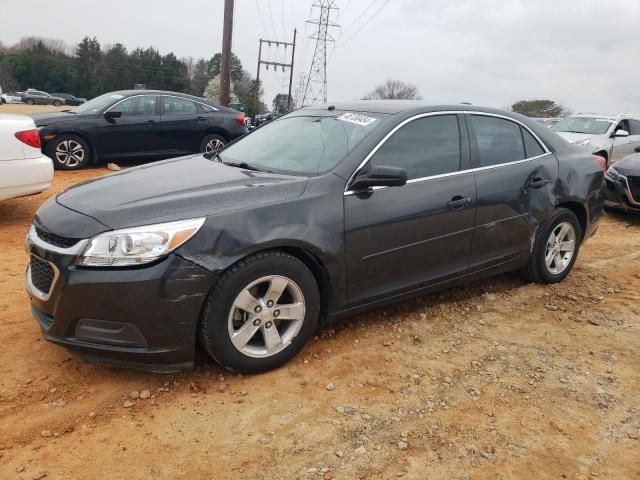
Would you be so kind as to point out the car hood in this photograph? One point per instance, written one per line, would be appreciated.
(44, 119)
(578, 137)
(180, 188)
(629, 166)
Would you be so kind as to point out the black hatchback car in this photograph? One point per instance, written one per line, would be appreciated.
(622, 185)
(321, 213)
(145, 124)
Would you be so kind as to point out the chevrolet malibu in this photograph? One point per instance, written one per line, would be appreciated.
(322, 213)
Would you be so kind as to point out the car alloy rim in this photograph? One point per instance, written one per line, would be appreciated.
(561, 246)
(69, 153)
(213, 145)
(266, 316)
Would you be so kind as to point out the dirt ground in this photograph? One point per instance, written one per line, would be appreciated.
(499, 379)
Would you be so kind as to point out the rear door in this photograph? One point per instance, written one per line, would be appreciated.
(183, 125)
(402, 238)
(136, 133)
(515, 176)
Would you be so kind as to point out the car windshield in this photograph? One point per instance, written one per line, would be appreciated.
(590, 125)
(302, 144)
(98, 104)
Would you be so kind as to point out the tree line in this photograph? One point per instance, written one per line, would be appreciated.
(90, 69)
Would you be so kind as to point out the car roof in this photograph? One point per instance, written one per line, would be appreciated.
(393, 107)
(607, 117)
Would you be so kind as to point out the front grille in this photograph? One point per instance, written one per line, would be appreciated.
(55, 240)
(634, 187)
(42, 274)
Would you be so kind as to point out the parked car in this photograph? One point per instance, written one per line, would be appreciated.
(23, 168)
(70, 99)
(136, 124)
(11, 97)
(611, 137)
(36, 97)
(324, 212)
(622, 184)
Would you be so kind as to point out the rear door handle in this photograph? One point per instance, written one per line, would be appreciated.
(151, 122)
(459, 202)
(537, 182)
(201, 119)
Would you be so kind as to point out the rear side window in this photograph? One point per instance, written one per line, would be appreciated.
(531, 146)
(179, 106)
(424, 147)
(499, 141)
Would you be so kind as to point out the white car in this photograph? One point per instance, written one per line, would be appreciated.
(24, 170)
(11, 97)
(612, 137)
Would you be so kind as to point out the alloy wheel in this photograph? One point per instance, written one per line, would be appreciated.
(561, 247)
(69, 153)
(213, 145)
(266, 316)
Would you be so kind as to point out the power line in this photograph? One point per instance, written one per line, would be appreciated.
(366, 23)
(346, 29)
(273, 24)
(264, 28)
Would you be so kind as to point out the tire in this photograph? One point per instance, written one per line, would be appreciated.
(538, 269)
(212, 142)
(222, 319)
(56, 103)
(29, 101)
(69, 152)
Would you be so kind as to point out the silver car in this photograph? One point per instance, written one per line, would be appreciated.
(612, 137)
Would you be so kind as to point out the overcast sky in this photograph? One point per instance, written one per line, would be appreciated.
(584, 54)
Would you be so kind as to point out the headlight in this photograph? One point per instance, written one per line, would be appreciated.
(582, 143)
(139, 245)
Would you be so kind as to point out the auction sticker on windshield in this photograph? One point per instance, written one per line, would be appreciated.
(357, 119)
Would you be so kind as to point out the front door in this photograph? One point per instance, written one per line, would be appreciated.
(135, 134)
(515, 176)
(403, 238)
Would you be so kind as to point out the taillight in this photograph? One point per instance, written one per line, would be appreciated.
(240, 119)
(601, 161)
(30, 137)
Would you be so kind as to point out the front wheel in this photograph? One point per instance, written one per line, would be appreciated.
(555, 247)
(212, 143)
(56, 103)
(260, 313)
(69, 152)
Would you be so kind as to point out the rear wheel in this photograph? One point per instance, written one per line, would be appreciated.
(212, 143)
(261, 313)
(69, 152)
(555, 248)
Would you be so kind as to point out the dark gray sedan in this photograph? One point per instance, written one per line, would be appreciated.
(324, 212)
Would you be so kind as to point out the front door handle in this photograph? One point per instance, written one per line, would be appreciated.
(151, 122)
(201, 119)
(537, 182)
(459, 202)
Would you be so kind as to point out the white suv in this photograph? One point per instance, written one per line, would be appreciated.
(612, 137)
(24, 170)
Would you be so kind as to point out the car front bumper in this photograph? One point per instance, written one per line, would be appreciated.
(618, 195)
(144, 317)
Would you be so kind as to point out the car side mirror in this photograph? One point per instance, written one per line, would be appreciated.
(379, 176)
(620, 133)
(112, 114)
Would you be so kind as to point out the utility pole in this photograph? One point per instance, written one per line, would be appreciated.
(225, 64)
(275, 65)
(316, 87)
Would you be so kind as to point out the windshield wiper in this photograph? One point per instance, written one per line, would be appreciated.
(246, 166)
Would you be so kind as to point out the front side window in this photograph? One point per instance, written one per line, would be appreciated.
(634, 127)
(302, 144)
(424, 147)
(137, 106)
(179, 106)
(499, 140)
